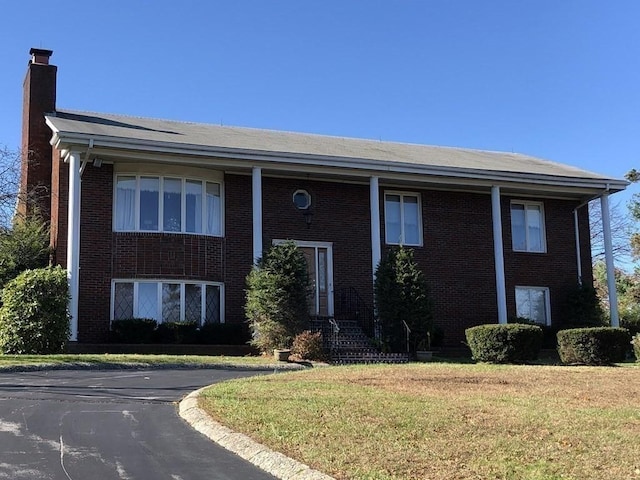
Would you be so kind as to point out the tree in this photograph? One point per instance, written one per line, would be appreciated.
(24, 246)
(276, 297)
(622, 231)
(401, 294)
(9, 185)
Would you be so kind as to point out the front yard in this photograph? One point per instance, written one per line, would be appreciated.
(444, 421)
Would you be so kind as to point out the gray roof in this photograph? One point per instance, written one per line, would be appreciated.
(203, 137)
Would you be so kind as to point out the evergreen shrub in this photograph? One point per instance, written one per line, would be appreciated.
(401, 293)
(224, 334)
(133, 330)
(24, 247)
(276, 298)
(34, 317)
(504, 343)
(176, 332)
(593, 346)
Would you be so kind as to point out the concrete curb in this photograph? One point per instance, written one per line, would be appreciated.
(147, 366)
(272, 462)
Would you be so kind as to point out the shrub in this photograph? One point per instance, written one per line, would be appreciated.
(499, 343)
(308, 346)
(593, 346)
(224, 334)
(133, 330)
(34, 317)
(176, 332)
(401, 294)
(24, 247)
(276, 298)
(582, 307)
(630, 322)
(636, 346)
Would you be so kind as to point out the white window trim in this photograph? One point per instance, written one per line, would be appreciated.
(137, 281)
(183, 219)
(403, 194)
(547, 300)
(543, 230)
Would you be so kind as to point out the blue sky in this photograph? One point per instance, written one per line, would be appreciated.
(554, 79)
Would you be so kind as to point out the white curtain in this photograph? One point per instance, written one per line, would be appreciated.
(213, 209)
(125, 204)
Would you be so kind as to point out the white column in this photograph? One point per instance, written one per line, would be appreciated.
(577, 237)
(374, 202)
(256, 195)
(498, 252)
(608, 254)
(73, 241)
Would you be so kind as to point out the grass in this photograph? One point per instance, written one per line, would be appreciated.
(444, 421)
(130, 359)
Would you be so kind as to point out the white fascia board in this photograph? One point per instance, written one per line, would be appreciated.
(317, 163)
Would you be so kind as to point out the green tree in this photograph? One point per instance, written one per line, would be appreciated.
(401, 293)
(276, 297)
(22, 247)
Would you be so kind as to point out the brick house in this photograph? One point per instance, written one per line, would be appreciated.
(164, 219)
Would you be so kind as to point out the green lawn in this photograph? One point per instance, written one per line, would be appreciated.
(444, 421)
(130, 359)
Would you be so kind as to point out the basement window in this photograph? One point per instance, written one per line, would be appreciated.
(533, 303)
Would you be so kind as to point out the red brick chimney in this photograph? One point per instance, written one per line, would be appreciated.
(39, 98)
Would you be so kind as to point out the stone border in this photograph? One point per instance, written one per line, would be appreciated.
(270, 461)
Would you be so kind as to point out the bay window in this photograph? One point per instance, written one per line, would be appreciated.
(167, 204)
(167, 301)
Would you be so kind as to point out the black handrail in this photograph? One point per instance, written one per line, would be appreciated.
(348, 304)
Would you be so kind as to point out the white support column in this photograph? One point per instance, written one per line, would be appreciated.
(576, 226)
(498, 251)
(256, 195)
(374, 202)
(608, 253)
(73, 241)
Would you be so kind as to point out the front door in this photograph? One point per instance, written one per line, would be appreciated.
(318, 269)
(319, 257)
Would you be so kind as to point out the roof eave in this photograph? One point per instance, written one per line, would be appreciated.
(73, 140)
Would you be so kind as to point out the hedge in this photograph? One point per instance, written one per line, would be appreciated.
(504, 343)
(593, 346)
(34, 317)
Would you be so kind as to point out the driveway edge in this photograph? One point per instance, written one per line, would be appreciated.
(270, 461)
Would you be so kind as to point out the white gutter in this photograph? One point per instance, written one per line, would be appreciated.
(63, 139)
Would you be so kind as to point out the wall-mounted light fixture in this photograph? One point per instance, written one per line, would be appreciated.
(97, 162)
(308, 217)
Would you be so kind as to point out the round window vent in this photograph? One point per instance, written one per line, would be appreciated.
(301, 199)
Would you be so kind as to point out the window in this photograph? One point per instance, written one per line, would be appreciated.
(168, 301)
(301, 199)
(167, 204)
(527, 227)
(402, 215)
(533, 303)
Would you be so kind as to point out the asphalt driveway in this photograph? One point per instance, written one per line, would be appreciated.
(109, 424)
